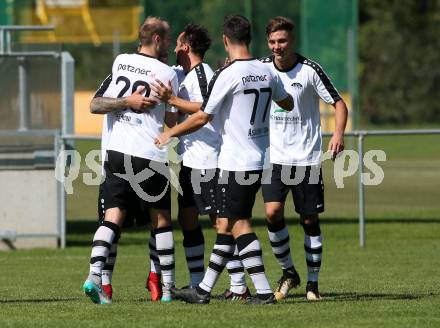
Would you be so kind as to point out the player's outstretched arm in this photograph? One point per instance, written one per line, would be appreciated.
(191, 124)
(336, 144)
(185, 106)
(104, 105)
(165, 94)
(286, 104)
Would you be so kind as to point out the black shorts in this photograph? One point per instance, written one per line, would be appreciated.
(204, 198)
(153, 192)
(236, 191)
(135, 216)
(307, 189)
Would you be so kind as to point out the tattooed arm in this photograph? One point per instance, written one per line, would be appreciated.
(104, 105)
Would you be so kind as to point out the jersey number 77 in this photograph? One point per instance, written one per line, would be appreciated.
(257, 97)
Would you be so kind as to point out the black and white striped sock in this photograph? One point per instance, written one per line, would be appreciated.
(194, 244)
(109, 266)
(154, 259)
(102, 242)
(251, 256)
(236, 273)
(221, 254)
(313, 251)
(280, 242)
(165, 252)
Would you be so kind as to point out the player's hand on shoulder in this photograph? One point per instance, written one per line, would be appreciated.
(140, 103)
(163, 92)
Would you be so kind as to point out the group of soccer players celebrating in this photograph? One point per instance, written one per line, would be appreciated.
(252, 123)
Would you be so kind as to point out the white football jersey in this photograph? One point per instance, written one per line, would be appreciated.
(295, 136)
(180, 73)
(128, 131)
(199, 149)
(240, 94)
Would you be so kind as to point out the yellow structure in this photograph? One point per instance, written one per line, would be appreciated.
(46, 10)
(76, 21)
(328, 115)
(86, 123)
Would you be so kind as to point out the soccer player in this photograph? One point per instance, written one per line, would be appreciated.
(199, 151)
(295, 148)
(133, 119)
(238, 97)
(134, 215)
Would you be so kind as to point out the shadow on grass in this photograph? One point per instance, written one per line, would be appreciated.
(382, 221)
(326, 297)
(40, 300)
(353, 296)
(79, 232)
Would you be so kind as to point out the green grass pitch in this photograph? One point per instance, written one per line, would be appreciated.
(393, 282)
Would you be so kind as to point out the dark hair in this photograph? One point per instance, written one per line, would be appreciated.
(237, 28)
(279, 23)
(152, 25)
(197, 37)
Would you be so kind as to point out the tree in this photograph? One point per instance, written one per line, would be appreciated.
(399, 55)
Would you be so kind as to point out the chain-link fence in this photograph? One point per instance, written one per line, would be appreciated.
(400, 173)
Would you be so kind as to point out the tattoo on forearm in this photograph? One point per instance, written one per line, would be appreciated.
(103, 105)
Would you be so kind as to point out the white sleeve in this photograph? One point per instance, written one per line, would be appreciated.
(323, 86)
(218, 89)
(278, 91)
(180, 73)
(103, 90)
(183, 94)
(175, 86)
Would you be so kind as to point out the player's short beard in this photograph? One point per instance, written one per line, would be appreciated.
(180, 59)
(284, 55)
(280, 54)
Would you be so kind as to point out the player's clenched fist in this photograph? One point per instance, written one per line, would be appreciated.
(162, 139)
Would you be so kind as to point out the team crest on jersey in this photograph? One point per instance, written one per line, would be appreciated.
(267, 59)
